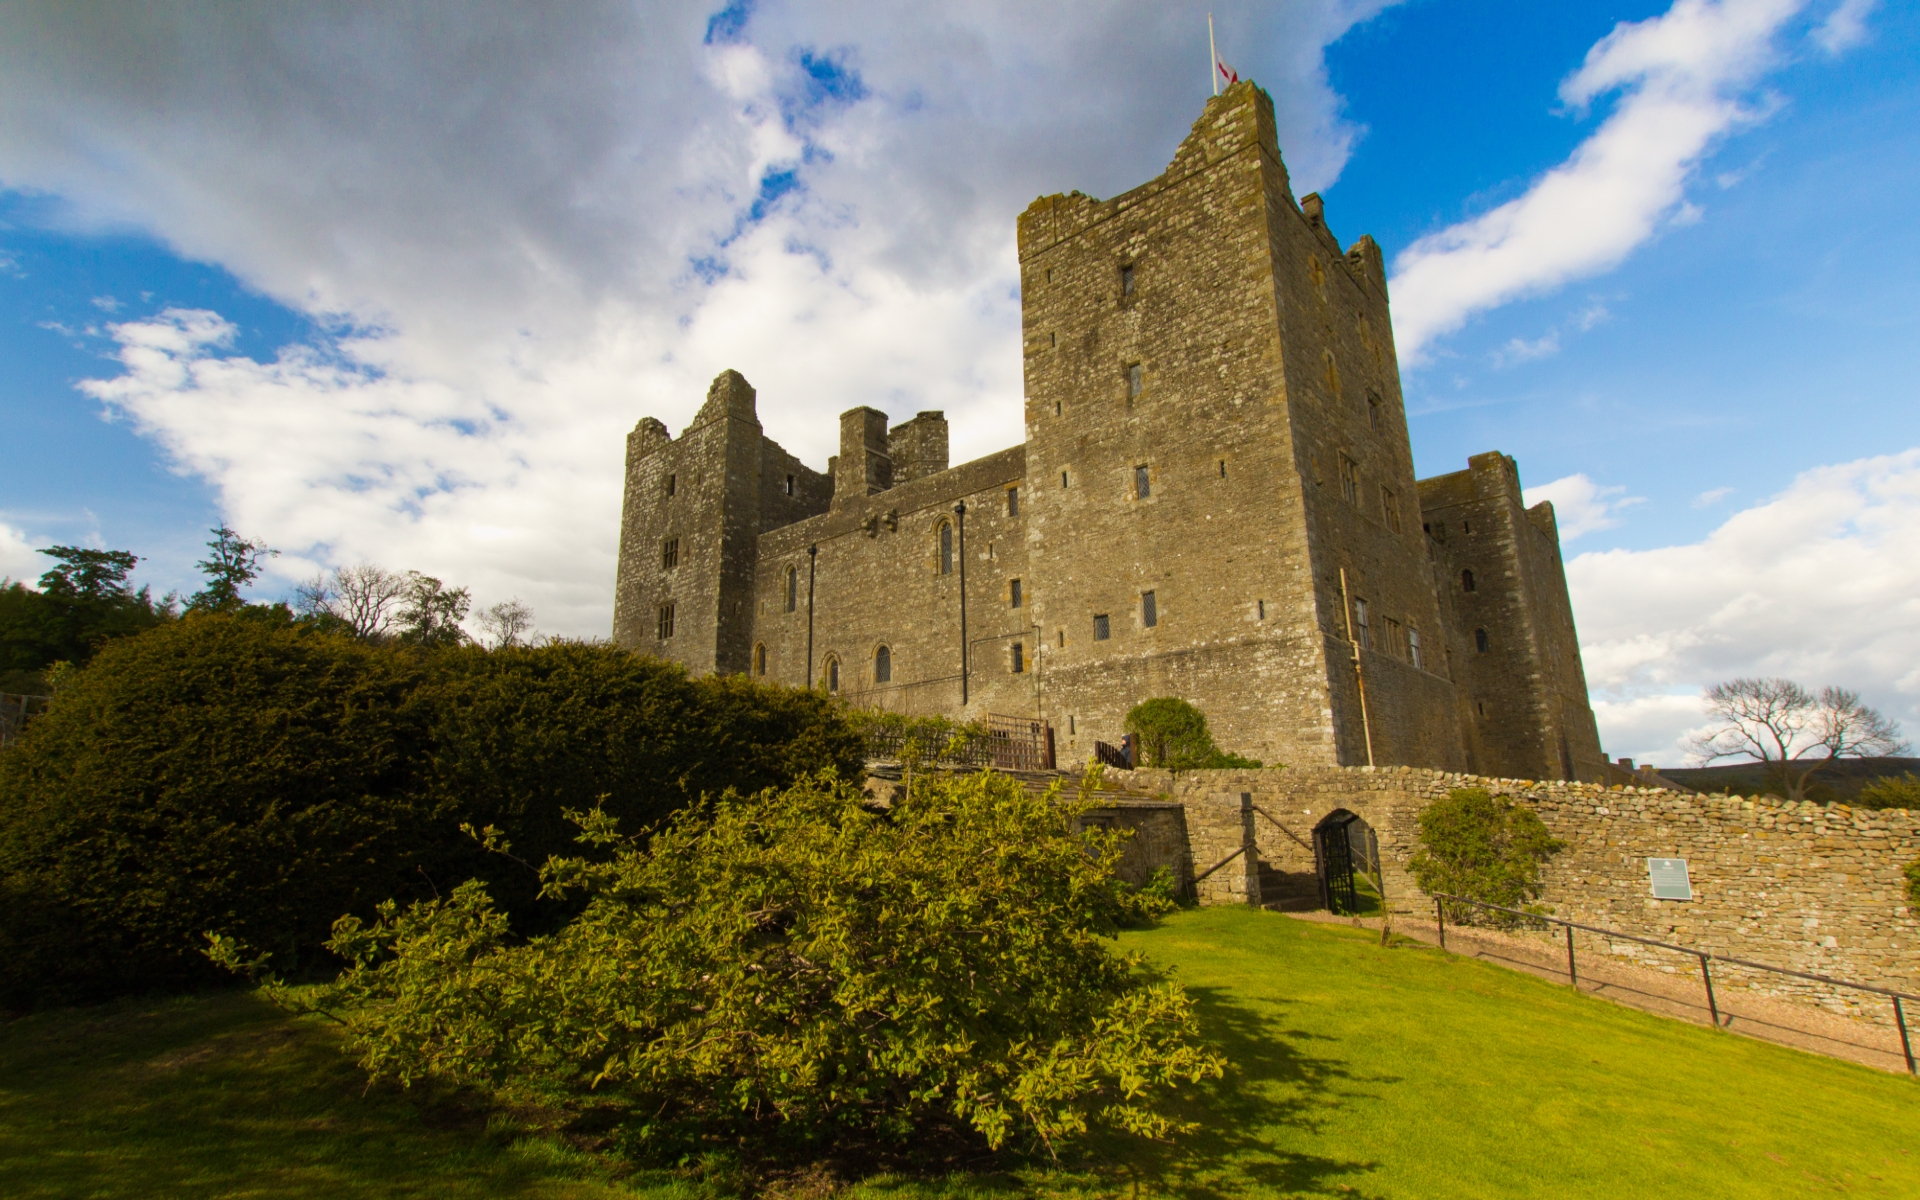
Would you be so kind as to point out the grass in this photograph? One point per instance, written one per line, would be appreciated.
(1356, 1070)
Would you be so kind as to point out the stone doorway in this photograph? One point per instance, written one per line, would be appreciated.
(1346, 855)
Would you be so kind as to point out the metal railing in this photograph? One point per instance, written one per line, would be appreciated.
(1441, 899)
(1006, 744)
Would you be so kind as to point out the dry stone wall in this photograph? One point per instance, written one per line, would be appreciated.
(1804, 886)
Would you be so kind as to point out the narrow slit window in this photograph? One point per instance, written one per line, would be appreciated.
(1071, 725)
(1393, 637)
(789, 485)
(1350, 480)
(760, 660)
(1413, 646)
(1063, 479)
(1373, 412)
(1466, 580)
(946, 548)
(671, 481)
(665, 624)
(1136, 380)
(1056, 408)
(1019, 658)
(669, 554)
(833, 674)
(883, 665)
(1142, 482)
(1126, 280)
(1260, 610)
(1480, 642)
(1013, 502)
(1053, 339)
(1390, 508)
(1149, 611)
(793, 589)
(1362, 629)
(1223, 468)
(1063, 639)
(1014, 597)
(1102, 628)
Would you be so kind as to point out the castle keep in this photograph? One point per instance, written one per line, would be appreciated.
(1215, 501)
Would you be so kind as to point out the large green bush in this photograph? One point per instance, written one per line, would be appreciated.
(1173, 733)
(217, 772)
(1890, 791)
(1481, 847)
(242, 774)
(793, 969)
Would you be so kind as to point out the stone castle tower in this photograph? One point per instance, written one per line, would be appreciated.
(1215, 500)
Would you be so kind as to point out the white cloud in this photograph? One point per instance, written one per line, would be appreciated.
(1681, 78)
(529, 250)
(17, 559)
(1845, 26)
(1820, 583)
(1519, 350)
(1581, 506)
(1711, 497)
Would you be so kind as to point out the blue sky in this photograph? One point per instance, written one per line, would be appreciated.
(391, 287)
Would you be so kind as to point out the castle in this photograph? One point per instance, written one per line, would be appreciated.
(1215, 501)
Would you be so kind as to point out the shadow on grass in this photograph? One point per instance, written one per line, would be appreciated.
(1278, 1080)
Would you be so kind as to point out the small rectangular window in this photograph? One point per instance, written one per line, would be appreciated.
(1013, 593)
(1350, 480)
(1149, 612)
(1393, 637)
(1063, 479)
(1390, 508)
(671, 479)
(1071, 725)
(666, 621)
(789, 485)
(1013, 502)
(1142, 482)
(1063, 639)
(1361, 628)
(1223, 468)
(1260, 609)
(1413, 646)
(1136, 380)
(1019, 658)
(669, 554)
(1126, 280)
(1373, 412)
(1101, 629)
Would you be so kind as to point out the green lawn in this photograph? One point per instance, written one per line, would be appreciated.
(1356, 1071)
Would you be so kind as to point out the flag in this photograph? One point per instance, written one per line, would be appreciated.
(1227, 73)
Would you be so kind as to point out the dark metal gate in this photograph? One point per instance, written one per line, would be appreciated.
(1344, 847)
(1019, 743)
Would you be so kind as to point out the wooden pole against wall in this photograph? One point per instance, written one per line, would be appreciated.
(960, 518)
(813, 558)
(1359, 678)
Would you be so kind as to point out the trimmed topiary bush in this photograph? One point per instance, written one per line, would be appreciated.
(1173, 733)
(1482, 847)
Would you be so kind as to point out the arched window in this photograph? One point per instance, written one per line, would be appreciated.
(1480, 640)
(883, 665)
(760, 660)
(793, 588)
(946, 548)
(1466, 580)
(833, 673)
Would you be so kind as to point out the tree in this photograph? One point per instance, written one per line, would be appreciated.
(790, 970)
(1482, 847)
(1793, 732)
(364, 599)
(506, 624)
(234, 562)
(87, 574)
(430, 612)
(82, 603)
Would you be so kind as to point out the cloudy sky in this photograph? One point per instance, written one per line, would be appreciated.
(390, 282)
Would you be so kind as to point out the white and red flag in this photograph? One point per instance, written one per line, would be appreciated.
(1220, 68)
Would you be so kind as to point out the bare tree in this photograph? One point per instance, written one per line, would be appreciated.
(506, 624)
(1794, 732)
(432, 612)
(365, 598)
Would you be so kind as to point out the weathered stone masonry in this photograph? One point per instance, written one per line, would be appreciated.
(1215, 500)
(1805, 886)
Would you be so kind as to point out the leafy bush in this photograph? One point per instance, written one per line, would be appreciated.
(1913, 885)
(1173, 733)
(792, 969)
(240, 773)
(926, 737)
(1484, 848)
(216, 772)
(1890, 791)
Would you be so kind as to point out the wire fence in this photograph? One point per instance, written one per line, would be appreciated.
(1705, 957)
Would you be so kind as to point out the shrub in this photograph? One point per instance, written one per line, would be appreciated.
(217, 772)
(1913, 885)
(1890, 791)
(1173, 733)
(926, 737)
(1481, 847)
(240, 773)
(792, 969)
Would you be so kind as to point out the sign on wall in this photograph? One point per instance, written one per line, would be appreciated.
(1669, 879)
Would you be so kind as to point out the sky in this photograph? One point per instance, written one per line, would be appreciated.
(390, 282)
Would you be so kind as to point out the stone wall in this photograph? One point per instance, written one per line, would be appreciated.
(1801, 886)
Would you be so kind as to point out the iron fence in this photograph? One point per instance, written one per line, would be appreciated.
(1706, 957)
(1007, 744)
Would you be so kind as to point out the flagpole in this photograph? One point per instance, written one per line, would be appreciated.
(1213, 57)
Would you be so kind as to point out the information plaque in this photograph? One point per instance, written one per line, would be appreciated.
(1669, 879)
